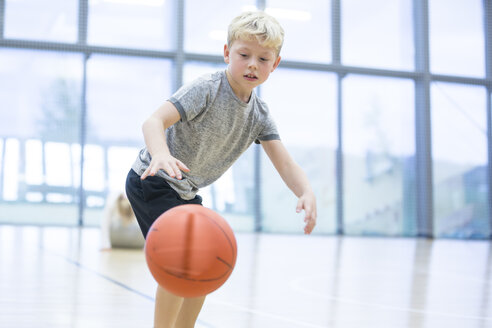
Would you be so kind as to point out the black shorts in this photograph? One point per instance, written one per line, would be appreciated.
(152, 197)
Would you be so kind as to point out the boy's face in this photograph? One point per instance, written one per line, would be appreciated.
(250, 63)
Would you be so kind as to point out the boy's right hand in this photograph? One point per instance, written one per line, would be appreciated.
(172, 166)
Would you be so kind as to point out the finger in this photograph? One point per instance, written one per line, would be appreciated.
(177, 171)
(169, 170)
(300, 205)
(309, 214)
(174, 171)
(309, 227)
(145, 174)
(310, 223)
(182, 166)
(153, 169)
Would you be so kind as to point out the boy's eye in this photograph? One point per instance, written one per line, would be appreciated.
(264, 59)
(243, 55)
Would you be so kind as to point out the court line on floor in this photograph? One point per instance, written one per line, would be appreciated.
(296, 285)
(113, 281)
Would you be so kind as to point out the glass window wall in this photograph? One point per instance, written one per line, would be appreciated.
(459, 157)
(70, 107)
(378, 156)
(40, 96)
(205, 35)
(307, 26)
(378, 34)
(457, 44)
(146, 24)
(48, 20)
(303, 105)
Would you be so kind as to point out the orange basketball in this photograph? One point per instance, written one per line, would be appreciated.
(190, 250)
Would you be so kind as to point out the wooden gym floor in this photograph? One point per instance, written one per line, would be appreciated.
(58, 277)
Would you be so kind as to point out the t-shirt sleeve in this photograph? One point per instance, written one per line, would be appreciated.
(191, 99)
(269, 130)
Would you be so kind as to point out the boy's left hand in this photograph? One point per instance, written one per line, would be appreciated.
(307, 202)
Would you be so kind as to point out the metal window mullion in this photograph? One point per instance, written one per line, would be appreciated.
(80, 48)
(257, 194)
(261, 4)
(82, 41)
(487, 7)
(2, 18)
(489, 136)
(339, 161)
(336, 54)
(179, 57)
(83, 136)
(424, 183)
(336, 32)
(82, 23)
(320, 67)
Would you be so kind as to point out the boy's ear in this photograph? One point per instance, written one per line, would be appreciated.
(226, 54)
(277, 61)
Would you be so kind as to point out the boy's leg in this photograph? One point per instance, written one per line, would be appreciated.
(149, 199)
(191, 306)
(189, 312)
(167, 307)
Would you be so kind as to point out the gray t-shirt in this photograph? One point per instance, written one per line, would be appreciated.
(215, 128)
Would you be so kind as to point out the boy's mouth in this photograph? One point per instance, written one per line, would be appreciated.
(250, 77)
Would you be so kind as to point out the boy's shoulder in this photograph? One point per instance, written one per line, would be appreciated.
(203, 85)
(261, 105)
(213, 77)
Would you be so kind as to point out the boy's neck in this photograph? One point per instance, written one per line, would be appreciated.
(243, 95)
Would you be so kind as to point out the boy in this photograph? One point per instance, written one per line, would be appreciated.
(195, 136)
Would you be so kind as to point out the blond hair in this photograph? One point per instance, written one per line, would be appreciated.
(259, 26)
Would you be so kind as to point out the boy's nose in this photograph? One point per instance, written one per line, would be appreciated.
(252, 63)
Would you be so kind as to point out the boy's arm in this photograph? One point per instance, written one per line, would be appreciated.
(155, 139)
(295, 178)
